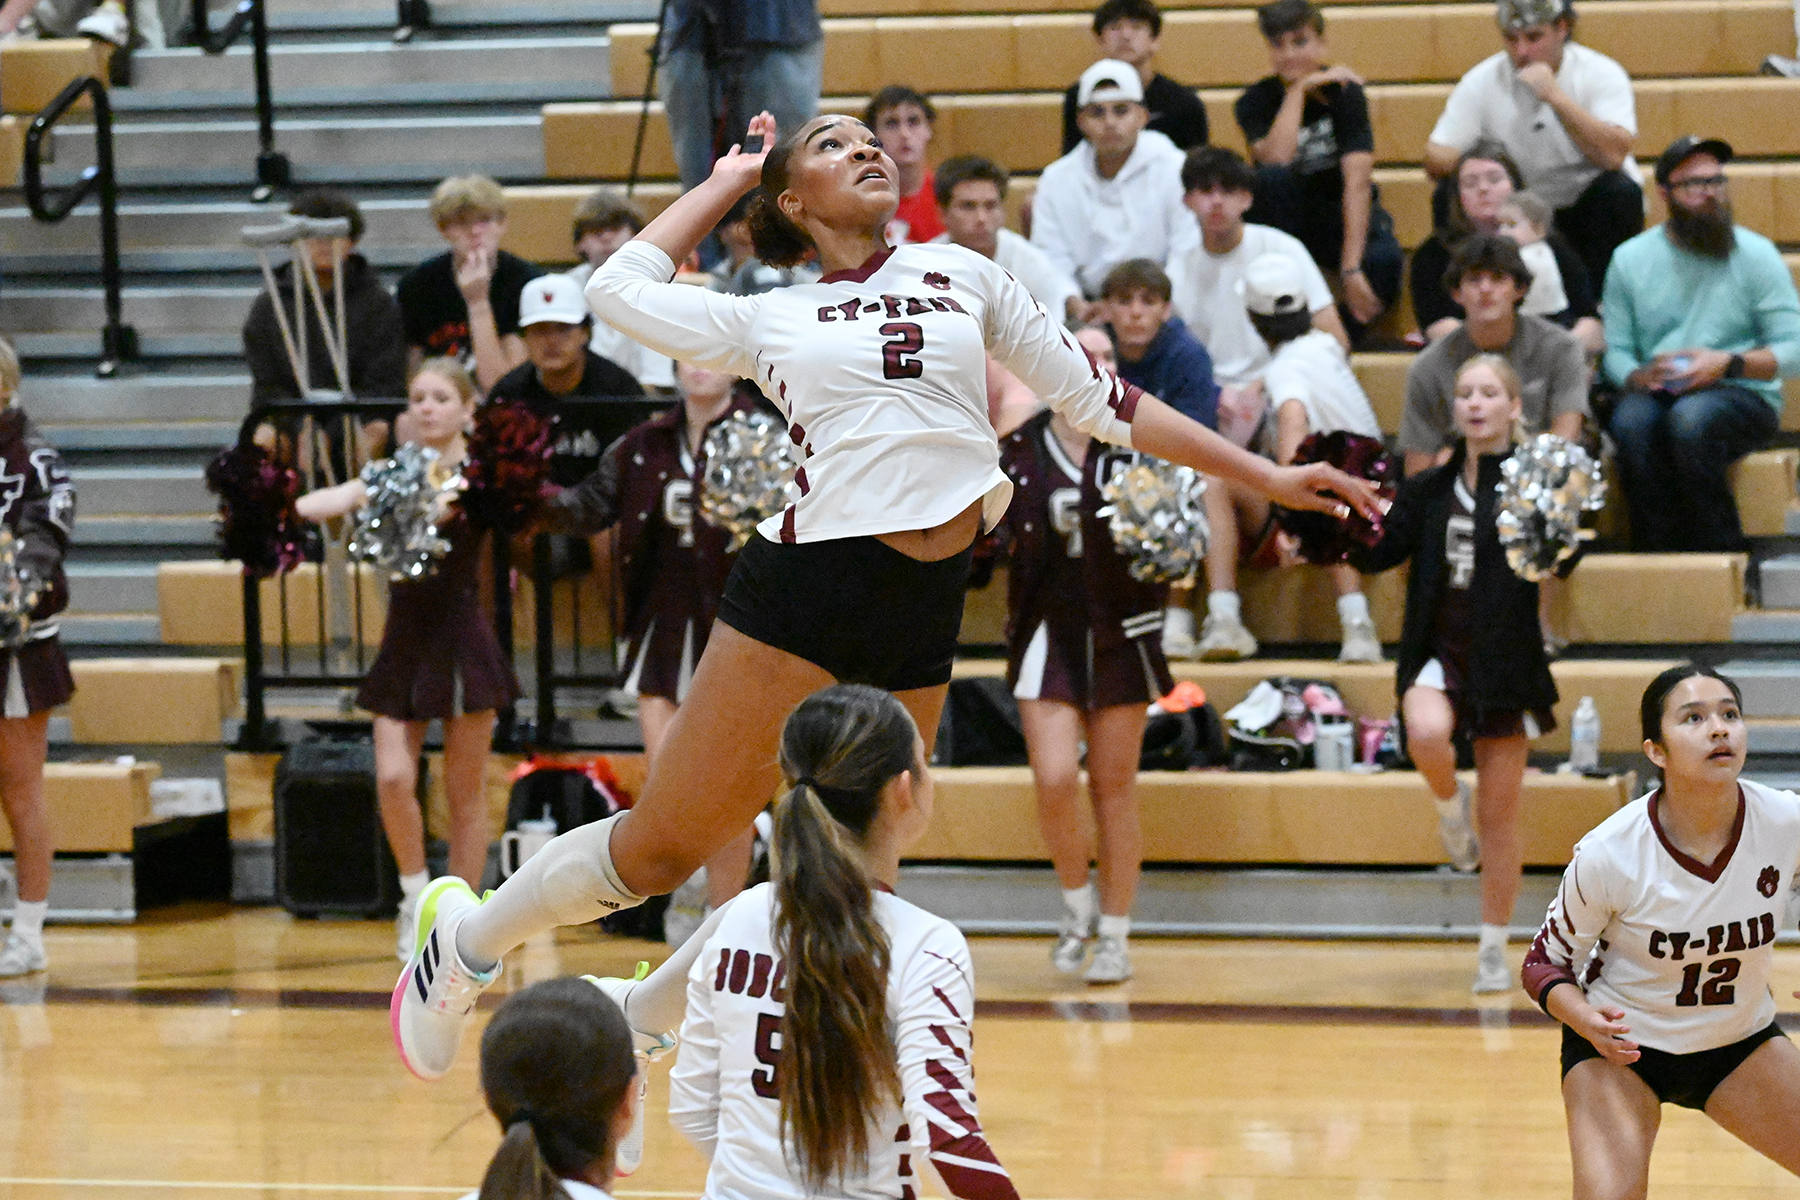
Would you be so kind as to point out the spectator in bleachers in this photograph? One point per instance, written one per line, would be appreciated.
(375, 355)
(1702, 325)
(464, 303)
(1129, 31)
(1118, 194)
(1218, 189)
(1486, 181)
(105, 21)
(1489, 280)
(903, 119)
(1565, 113)
(971, 196)
(1309, 133)
(1154, 348)
(1526, 219)
(604, 221)
(1311, 389)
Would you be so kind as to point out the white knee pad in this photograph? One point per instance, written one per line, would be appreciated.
(573, 875)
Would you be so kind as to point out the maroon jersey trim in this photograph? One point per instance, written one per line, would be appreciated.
(1694, 866)
(861, 274)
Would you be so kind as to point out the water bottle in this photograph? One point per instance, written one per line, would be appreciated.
(1584, 737)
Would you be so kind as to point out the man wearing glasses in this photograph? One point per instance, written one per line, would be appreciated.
(1702, 324)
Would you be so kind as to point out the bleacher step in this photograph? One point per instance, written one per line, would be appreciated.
(388, 223)
(143, 491)
(1767, 625)
(1781, 581)
(378, 15)
(110, 629)
(142, 435)
(1773, 735)
(145, 531)
(152, 310)
(1771, 688)
(111, 588)
(60, 399)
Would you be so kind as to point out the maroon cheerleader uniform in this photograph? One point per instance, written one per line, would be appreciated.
(672, 562)
(1080, 629)
(37, 503)
(439, 656)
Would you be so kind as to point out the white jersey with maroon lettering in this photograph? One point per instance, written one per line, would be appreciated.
(722, 1090)
(881, 373)
(1683, 947)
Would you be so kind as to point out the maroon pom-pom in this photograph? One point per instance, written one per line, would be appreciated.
(257, 522)
(508, 468)
(1323, 538)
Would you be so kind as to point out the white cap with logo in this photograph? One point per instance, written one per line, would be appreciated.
(1108, 80)
(1274, 286)
(552, 298)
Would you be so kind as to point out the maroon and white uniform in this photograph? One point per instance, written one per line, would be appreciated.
(672, 561)
(1080, 629)
(722, 1090)
(1683, 947)
(37, 504)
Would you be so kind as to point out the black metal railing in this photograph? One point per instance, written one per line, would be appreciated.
(118, 341)
(272, 167)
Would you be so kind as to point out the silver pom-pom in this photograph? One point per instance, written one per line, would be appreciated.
(1156, 511)
(1544, 488)
(409, 498)
(750, 465)
(18, 595)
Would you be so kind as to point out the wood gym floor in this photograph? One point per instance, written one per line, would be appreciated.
(212, 1053)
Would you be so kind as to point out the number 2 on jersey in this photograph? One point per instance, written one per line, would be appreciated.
(768, 1029)
(908, 339)
(1718, 989)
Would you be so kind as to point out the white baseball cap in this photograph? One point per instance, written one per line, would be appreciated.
(552, 298)
(1109, 79)
(1274, 286)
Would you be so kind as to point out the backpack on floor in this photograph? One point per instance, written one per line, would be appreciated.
(1272, 728)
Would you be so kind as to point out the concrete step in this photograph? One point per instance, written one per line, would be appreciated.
(143, 491)
(112, 588)
(1781, 582)
(1771, 688)
(389, 224)
(416, 149)
(460, 71)
(1774, 735)
(85, 346)
(142, 435)
(1785, 781)
(111, 629)
(70, 400)
(151, 310)
(1766, 625)
(148, 532)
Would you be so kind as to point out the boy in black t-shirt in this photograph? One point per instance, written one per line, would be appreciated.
(1130, 30)
(464, 303)
(1310, 136)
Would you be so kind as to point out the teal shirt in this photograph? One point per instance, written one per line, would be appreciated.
(1660, 297)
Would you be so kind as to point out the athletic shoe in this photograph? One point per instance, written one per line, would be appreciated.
(1112, 962)
(108, 23)
(1178, 633)
(1072, 937)
(1458, 831)
(20, 956)
(648, 1048)
(1781, 64)
(437, 990)
(1491, 972)
(1224, 639)
(1361, 643)
(406, 929)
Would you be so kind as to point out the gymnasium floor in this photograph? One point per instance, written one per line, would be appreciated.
(207, 1052)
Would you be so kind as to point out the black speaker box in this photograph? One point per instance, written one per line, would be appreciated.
(331, 855)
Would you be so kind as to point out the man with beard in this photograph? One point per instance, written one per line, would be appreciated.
(1702, 324)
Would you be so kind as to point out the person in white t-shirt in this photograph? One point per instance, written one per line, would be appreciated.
(604, 221)
(1656, 954)
(879, 371)
(1116, 196)
(971, 195)
(1567, 116)
(1310, 389)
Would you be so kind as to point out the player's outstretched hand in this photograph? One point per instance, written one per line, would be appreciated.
(741, 166)
(1606, 1029)
(1320, 487)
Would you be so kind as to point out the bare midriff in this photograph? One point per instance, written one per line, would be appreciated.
(940, 541)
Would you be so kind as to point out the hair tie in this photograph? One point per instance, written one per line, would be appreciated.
(809, 782)
(523, 1116)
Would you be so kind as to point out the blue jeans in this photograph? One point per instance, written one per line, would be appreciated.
(1672, 457)
(783, 79)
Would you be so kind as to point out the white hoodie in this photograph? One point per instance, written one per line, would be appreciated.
(1089, 225)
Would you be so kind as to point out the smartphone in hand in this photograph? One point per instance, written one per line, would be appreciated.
(753, 144)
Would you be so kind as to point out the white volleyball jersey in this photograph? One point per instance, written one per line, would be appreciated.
(1683, 947)
(881, 373)
(722, 1090)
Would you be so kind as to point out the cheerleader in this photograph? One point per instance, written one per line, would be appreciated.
(879, 369)
(1656, 953)
(672, 562)
(37, 509)
(1472, 660)
(1084, 659)
(557, 1071)
(439, 660)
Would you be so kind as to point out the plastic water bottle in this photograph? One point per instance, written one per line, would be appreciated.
(1584, 737)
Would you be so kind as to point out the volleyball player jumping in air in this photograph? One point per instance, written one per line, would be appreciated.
(880, 370)
(1656, 953)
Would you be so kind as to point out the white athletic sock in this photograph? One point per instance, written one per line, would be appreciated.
(1224, 605)
(1451, 805)
(570, 881)
(1493, 936)
(1354, 607)
(1115, 927)
(28, 919)
(1081, 903)
(412, 885)
(1178, 621)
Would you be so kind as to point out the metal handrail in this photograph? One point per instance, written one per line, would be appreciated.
(118, 340)
(272, 167)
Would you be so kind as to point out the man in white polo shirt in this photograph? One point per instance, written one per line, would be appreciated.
(1567, 116)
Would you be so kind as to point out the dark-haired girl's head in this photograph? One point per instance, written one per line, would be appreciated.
(829, 173)
(1693, 724)
(557, 1069)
